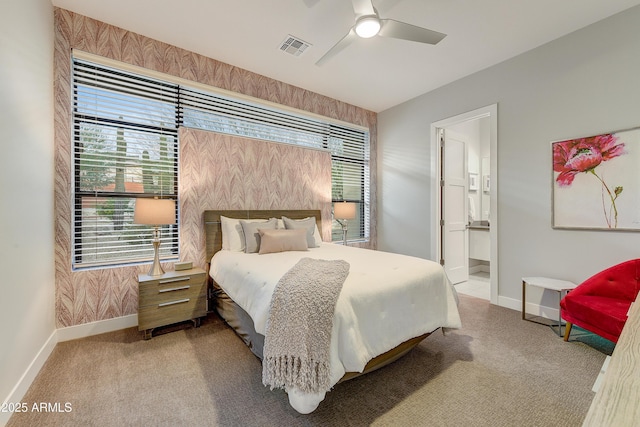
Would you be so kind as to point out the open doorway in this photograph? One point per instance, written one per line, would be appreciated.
(481, 191)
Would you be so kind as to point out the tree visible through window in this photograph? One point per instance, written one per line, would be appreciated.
(125, 147)
(125, 139)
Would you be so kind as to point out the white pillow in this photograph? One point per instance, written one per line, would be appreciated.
(313, 234)
(232, 235)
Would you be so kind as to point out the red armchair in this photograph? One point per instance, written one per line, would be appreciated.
(600, 304)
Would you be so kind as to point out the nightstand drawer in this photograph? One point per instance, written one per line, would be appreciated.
(171, 289)
(169, 312)
(173, 297)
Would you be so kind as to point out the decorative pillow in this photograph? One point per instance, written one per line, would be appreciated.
(251, 235)
(282, 240)
(232, 234)
(313, 234)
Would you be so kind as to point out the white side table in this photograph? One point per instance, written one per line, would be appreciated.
(560, 286)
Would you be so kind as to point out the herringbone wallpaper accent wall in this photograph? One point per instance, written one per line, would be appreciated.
(100, 294)
(226, 172)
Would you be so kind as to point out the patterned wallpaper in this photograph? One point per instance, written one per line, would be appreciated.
(226, 172)
(99, 294)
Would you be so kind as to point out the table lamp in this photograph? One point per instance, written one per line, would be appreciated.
(155, 212)
(342, 212)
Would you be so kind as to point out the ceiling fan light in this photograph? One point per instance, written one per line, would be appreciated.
(367, 26)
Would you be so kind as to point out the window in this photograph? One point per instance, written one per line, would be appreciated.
(350, 179)
(349, 147)
(125, 131)
(126, 146)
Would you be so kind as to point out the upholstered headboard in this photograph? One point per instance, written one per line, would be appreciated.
(213, 228)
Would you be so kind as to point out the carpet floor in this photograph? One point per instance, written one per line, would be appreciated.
(497, 370)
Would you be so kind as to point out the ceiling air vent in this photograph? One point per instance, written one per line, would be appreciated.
(294, 45)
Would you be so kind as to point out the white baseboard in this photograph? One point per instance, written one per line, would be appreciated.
(531, 309)
(29, 375)
(60, 335)
(95, 328)
(511, 303)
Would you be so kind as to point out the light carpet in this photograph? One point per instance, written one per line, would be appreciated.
(498, 370)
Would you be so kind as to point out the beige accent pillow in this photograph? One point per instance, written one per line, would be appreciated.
(282, 240)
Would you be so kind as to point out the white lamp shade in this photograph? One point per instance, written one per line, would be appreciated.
(154, 211)
(344, 210)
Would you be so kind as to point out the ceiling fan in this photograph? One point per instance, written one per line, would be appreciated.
(369, 24)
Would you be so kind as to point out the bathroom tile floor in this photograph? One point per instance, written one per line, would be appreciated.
(477, 286)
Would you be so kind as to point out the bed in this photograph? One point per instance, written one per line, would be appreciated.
(388, 303)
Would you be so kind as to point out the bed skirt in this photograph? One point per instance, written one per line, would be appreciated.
(242, 324)
(239, 320)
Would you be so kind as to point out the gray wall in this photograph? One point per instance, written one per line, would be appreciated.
(26, 191)
(585, 83)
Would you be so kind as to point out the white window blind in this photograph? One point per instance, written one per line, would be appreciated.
(350, 179)
(125, 146)
(349, 147)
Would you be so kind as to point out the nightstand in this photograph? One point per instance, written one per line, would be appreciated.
(173, 297)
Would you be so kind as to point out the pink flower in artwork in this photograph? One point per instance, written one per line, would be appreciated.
(584, 155)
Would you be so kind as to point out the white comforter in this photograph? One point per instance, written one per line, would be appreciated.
(386, 300)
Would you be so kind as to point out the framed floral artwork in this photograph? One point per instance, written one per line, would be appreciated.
(596, 182)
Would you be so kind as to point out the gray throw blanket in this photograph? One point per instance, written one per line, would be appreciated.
(298, 330)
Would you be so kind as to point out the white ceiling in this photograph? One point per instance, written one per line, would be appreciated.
(375, 74)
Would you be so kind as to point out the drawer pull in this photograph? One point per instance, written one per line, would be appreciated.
(175, 279)
(179, 288)
(180, 301)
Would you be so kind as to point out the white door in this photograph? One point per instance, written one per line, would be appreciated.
(454, 203)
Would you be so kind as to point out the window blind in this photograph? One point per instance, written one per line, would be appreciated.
(124, 147)
(349, 147)
(350, 178)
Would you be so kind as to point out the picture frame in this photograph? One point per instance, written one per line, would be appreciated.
(596, 182)
(473, 181)
(486, 183)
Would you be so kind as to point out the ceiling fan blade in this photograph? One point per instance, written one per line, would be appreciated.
(401, 30)
(363, 7)
(338, 47)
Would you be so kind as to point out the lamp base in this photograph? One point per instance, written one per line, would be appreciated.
(344, 231)
(156, 268)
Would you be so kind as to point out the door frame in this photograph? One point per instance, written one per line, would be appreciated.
(490, 111)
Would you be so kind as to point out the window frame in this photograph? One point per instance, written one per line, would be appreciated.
(285, 122)
(288, 121)
(81, 121)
